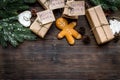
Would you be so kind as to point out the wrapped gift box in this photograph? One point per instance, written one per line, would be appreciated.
(43, 22)
(99, 25)
(73, 9)
(38, 29)
(52, 4)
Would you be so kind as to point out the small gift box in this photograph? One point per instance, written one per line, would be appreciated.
(74, 8)
(52, 4)
(42, 23)
(38, 29)
(99, 25)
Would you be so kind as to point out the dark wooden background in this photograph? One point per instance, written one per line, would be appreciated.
(53, 59)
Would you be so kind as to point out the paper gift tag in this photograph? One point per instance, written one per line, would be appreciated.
(55, 4)
(46, 16)
(74, 8)
(52, 4)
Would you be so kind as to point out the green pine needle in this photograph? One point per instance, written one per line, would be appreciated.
(13, 32)
(9, 8)
(113, 5)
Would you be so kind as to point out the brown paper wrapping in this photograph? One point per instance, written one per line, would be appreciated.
(99, 25)
(44, 3)
(38, 29)
(64, 12)
(78, 9)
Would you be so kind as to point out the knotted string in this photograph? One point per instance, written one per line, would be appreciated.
(70, 8)
(99, 26)
(42, 25)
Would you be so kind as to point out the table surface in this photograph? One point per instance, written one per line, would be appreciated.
(54, 59)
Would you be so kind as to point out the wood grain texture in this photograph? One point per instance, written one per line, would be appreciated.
(53, 59)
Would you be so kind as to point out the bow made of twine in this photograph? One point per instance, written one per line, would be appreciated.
(42, 25)
(70, 8)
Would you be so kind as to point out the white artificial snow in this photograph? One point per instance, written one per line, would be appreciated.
(115, 26)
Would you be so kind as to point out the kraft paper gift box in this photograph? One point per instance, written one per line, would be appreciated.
(52, 4)
(73, 9)
(99, 25)
(42, 23)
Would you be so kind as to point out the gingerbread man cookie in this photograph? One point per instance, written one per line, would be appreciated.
(68, 30)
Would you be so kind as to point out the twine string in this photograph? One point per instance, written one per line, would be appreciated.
(99, 26)
(70, 8)
(42, 25)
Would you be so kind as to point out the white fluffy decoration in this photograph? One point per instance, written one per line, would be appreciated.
(115, 26)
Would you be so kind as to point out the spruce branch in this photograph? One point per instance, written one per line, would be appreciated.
(113, 5)
(9, 8)
(13, 32)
